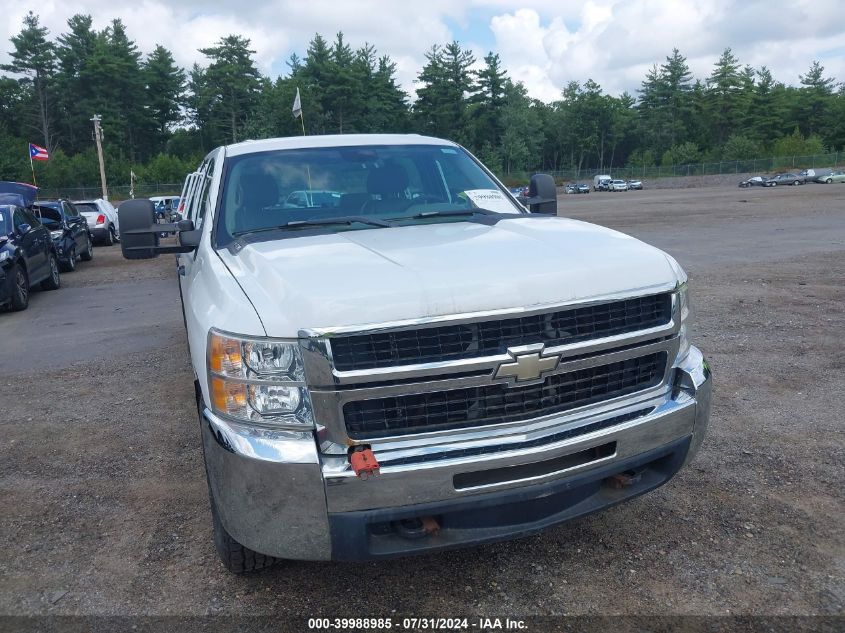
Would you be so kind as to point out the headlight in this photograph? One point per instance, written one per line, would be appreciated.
(56, 234)
(4, 255)
(259, 381)
(682, 295)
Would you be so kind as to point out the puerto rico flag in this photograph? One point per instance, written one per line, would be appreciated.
(37, 153)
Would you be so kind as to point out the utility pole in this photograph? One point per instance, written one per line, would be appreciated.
(98, 138)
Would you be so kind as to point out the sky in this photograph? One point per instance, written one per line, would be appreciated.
(542, 43)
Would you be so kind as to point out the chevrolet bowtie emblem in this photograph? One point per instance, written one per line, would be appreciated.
(526, 367)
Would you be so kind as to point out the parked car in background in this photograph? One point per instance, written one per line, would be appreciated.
(833, 176)
(576, 187)
(635, 184)
(27, 257)
(754, 181)
(68, 230)
(815, 173)
(166, 207)
(601, 183)
(103, 222)
(618, 185)
(784, 179)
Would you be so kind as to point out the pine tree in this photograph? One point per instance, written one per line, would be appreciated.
(816, 98)
(724, 98)
(165, 86)
(34, 57)
(230, 87)
(75, 101)
(486, 106)
(442, 99)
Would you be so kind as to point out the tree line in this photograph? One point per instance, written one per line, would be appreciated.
(159, 119)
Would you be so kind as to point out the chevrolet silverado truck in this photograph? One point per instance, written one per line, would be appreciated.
(417, 362)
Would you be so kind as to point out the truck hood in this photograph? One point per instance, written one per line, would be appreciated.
(371, 276)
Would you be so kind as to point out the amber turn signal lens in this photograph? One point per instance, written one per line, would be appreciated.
(225, 355)
(228, 397)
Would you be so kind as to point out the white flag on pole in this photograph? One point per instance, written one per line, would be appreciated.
(297, 106)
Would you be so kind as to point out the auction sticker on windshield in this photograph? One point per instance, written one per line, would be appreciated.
(490, 199)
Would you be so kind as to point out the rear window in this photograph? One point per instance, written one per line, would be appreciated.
(48, 215)
(87, 207)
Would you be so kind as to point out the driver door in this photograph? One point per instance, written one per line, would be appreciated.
(196, 205)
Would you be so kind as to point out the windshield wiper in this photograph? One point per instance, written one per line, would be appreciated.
(296, 224)
(447, 214)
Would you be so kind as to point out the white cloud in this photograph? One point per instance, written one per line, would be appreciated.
(543, 43)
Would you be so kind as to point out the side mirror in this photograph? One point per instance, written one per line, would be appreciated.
(24, 228)
(139, 232)
(542, 195)
(138, 240)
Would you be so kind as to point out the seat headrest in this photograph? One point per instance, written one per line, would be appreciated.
(259, 191)
(389, 180)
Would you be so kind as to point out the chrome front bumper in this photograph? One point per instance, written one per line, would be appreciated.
(276, 494)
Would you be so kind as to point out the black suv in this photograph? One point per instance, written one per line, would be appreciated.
(27, 257)
(69, 230)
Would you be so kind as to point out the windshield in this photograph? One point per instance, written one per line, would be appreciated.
(393, 182)
(50, 217)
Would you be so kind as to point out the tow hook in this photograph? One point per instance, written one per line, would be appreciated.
(416, 528)
(363, 462)
(624, 479)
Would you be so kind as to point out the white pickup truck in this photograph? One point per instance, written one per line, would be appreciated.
(414, 361)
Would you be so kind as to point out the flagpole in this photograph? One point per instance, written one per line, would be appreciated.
(302, 121)
(32, 167)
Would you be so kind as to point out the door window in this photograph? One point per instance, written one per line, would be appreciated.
(19, 218)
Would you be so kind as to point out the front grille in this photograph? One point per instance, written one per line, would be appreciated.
(488, 449)
(487, 338)
(494, 404)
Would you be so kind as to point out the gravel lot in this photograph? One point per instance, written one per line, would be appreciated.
(103, 497)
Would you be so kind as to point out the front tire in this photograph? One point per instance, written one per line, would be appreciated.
(20, 291)
(235, 557)
(70, 265)
(828, 181)
(53, 282)
(796, 183)
(88, 253)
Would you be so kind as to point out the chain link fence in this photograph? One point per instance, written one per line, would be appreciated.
(757, 165)
(115, 193)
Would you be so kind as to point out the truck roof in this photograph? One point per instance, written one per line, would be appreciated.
(332, 140)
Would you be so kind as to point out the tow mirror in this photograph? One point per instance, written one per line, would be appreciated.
(24, 228)
(139, 232)
(542, 195)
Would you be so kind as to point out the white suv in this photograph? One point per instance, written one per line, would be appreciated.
(103, 223)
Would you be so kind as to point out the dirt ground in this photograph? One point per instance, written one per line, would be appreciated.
(103, 497)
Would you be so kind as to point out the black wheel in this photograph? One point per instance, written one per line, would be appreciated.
(109, 239)
(796, 183)
(54, 280)
(70, 265)
(236, 558)
(20, 291)
(88, 254)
